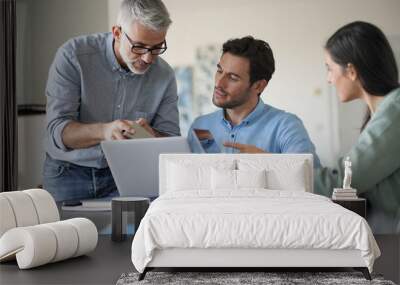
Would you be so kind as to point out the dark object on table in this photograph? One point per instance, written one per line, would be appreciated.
(123, 206)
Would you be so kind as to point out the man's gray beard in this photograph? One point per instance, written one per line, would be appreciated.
(134, 70)
(130, 64)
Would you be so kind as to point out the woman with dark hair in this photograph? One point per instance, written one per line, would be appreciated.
(361, 65)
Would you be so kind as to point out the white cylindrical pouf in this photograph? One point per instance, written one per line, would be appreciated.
(87, 235)
(40, 244)
(7, 218)
(23, 208)
(40, 247)
(33, 246)
(45, 205)
(67, 240)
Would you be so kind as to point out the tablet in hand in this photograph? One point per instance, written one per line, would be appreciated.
(140, 132)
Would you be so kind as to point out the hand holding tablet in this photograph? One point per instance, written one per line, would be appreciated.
(139, 132)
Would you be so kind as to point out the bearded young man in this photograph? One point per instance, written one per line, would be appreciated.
(98, 86)
(245, 124)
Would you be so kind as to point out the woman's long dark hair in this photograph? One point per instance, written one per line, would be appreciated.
(366, 47)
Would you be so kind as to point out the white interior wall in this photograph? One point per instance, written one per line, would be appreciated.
(31, 155)
(56, 21)
(296, 31)
(42, 27)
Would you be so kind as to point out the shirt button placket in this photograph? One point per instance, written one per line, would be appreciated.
(233, 139)
(118, 110)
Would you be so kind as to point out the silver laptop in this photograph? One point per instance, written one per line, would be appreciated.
(134, 163)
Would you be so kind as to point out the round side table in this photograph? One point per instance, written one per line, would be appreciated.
(120, 207)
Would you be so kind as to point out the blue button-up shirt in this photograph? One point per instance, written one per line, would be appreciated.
(266, 127)
(87, 84)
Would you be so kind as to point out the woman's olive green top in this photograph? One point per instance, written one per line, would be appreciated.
(376, 167)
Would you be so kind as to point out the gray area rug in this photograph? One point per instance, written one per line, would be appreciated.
(228, 278)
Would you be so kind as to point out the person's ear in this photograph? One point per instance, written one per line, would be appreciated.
(259, 85)
(117, 33)
(351, 72)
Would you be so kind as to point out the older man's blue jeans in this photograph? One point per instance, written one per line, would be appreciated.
(66, 181)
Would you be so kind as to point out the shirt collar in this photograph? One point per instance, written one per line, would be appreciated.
(112, 59)
(257, 112)
(387, 100)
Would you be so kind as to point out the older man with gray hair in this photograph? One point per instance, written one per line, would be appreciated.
(98, 86)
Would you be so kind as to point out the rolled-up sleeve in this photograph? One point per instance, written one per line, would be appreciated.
(63, 96)
(167, 117)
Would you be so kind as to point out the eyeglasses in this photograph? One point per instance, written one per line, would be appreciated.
(139, 49)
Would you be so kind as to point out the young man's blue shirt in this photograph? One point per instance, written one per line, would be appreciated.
(266, 127)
